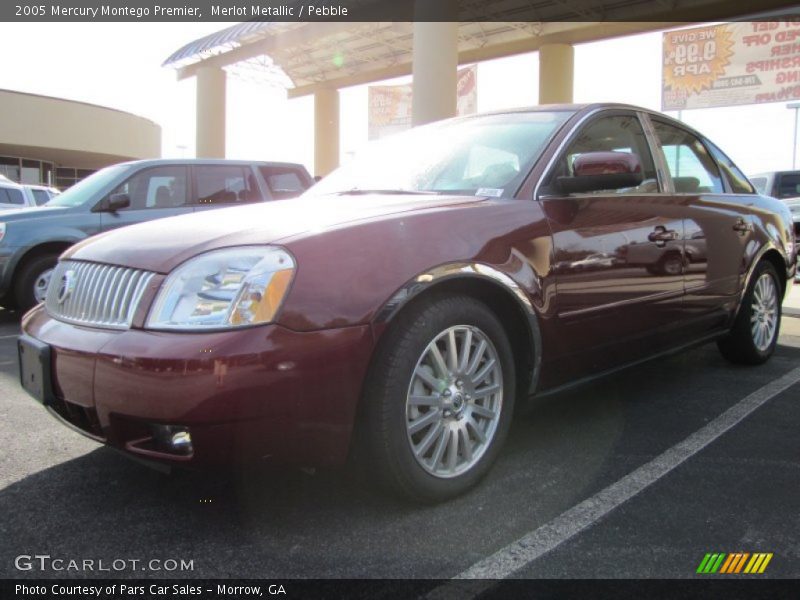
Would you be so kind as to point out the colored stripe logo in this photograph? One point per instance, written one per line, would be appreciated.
(735, 563)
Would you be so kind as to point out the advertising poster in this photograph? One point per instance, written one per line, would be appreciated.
(732, 64)
(390, 105)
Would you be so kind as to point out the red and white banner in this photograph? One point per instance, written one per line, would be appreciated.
(731, 64)
(390, 105)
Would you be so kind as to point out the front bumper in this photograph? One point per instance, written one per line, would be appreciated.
(262, 393)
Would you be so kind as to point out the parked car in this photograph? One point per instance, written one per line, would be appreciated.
(399, 309)
(778, 184)
(15, 196)
(123, 194)
(12, 195)
(794, 208)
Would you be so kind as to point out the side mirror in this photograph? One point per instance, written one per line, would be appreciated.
(113, 203)
(596, 171)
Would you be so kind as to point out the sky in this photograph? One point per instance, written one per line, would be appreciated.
(119, 65)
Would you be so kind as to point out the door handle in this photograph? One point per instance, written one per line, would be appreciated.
(742, 226)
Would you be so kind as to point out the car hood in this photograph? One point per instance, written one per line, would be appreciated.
(29, 212)
(163, 244)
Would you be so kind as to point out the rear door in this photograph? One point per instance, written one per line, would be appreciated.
(155, 193)
(717, 233)
(618, 254)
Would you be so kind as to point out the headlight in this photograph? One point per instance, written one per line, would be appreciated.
(2, 231)
(223, 289)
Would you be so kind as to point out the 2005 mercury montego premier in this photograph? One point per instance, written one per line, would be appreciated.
(400, 307)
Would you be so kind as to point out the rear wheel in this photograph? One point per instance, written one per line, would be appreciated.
(754, 335)
(439, 399)
(671, 264)
(33, 280)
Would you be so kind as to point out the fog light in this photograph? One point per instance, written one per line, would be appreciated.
(173, 438)
(181, 442)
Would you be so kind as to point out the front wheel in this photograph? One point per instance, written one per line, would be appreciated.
(754, 335)
(439, 398)
(33, 280)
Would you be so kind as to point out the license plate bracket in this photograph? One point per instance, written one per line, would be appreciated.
(35, 371)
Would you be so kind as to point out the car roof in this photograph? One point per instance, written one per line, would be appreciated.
(584, 109)
(155, 162)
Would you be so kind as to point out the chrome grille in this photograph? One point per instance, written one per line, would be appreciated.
(96, 295)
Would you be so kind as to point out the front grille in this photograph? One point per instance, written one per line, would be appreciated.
(97, 295)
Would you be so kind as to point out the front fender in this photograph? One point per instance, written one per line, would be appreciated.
(472, 272)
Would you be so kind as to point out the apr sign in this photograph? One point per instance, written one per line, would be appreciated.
(732, 64)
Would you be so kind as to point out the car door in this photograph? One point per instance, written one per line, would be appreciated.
(618, 253)
(154, 192)
(220, 186)
(717, 232)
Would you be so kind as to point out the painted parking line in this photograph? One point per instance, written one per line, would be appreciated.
(509, 560)
(8, 337)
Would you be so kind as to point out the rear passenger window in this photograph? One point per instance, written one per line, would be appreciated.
(41, 197)
(11, 196)
(788, 185)
(736, 179)
(284, 182)
(692, 169)
(225, 184)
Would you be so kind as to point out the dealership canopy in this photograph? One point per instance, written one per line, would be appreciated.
(319, 58)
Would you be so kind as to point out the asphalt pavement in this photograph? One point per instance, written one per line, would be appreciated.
(64, 496)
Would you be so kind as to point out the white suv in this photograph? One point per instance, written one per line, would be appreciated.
(14, 195)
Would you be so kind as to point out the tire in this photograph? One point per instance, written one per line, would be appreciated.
(8, 302)
(752, 339)
(400, 395)
(29, 277)
(671, 264)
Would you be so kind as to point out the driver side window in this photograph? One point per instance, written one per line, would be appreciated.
(621, 134)
(158, 187)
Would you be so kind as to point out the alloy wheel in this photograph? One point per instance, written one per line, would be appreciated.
(454, 401)
(764, 313)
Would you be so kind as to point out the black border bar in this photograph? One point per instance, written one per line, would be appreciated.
(392, 10)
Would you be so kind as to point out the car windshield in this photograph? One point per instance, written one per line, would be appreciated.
(487, 155)
(87, 188)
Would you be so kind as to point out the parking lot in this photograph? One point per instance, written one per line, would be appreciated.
(65, 496)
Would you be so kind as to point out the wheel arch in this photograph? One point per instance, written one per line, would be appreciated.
(497, 290)
(772, 255)
(43, 249)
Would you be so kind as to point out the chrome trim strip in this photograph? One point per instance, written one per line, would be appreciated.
(620, 303)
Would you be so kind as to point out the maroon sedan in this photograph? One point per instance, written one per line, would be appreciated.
(399, 309)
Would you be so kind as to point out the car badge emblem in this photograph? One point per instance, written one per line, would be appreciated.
(66, 286)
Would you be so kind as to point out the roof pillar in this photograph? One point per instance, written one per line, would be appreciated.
(435, 61)
(556, 73)
(326, 131)
(210, 133)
